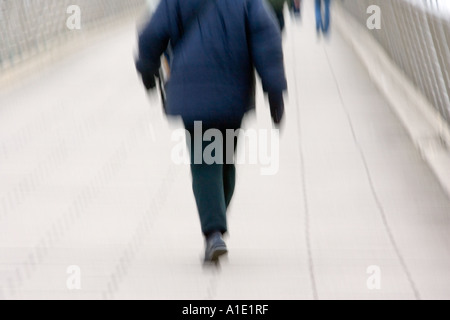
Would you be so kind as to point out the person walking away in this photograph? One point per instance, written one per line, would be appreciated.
(217, 46)
(296, 8)
(322, 16)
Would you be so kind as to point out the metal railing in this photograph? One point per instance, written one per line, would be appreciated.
(29, 27)
(416, 38)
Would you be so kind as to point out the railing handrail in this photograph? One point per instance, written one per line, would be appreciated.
(416, 39)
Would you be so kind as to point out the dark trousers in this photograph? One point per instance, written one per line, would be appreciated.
(213, 184)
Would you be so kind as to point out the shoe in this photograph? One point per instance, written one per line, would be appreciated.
(215, 247)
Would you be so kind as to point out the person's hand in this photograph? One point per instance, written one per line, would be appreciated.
(149, 81)
(276, 103)
(148, 78)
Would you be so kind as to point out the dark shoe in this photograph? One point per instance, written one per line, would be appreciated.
(215, 247)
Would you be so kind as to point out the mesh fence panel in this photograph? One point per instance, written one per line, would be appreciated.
(28, 27)
(416, 38)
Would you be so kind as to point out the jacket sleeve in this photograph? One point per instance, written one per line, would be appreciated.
(153, 41)
(266, 47)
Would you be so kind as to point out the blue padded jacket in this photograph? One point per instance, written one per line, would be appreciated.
(214, 61)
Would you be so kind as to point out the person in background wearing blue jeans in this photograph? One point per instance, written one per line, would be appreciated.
(323, 16)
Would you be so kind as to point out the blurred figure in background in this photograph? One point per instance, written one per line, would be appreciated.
(322, 16)
(295, 7)
(278, 8)
(216, 48)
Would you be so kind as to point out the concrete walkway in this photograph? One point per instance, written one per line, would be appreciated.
(87, 180)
